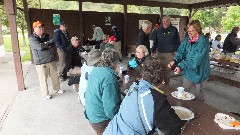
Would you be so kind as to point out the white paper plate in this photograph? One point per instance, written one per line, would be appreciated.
(186, 95)
(223, 119)
(183, 113)
(213, 62)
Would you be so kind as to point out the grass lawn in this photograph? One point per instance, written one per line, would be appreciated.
(8, 46)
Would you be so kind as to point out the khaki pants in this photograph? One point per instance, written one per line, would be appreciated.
(62, 61)
(45, 70)
(117, 47)
(167, 57)
(199, 88)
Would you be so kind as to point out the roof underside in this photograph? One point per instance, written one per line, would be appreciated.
(195, 4)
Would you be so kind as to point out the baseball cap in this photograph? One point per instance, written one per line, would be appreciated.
(37, 24)
(63, 23)
(74, 38)
(112, 38)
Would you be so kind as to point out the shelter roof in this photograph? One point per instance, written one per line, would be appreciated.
(170, 3)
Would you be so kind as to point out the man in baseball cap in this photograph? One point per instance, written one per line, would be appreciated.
(37, 24)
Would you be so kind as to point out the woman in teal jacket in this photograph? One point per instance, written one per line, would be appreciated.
(192, 59)
(102, 98)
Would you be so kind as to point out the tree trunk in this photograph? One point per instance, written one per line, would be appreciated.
(1, 34)
(24, 38)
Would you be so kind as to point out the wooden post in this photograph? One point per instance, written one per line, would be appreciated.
(11, 10)
(189, 14)
(81, 21)
(161, 14)
(125, 49)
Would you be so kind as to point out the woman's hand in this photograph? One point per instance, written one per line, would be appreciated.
(177, 70)
(171, 64)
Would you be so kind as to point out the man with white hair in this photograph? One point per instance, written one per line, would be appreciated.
(143, 36)
(166, 41)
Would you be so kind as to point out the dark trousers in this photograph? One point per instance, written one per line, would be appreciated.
(99, 128)
(98, 44)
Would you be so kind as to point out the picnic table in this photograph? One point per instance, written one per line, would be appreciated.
(203, 122)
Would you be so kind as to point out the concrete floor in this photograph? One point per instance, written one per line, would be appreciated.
(27, 113)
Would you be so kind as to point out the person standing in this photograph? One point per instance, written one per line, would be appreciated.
(117, 43)
(97, 36)
(166, 42)
(143, 36)
(231, 42)
(62, 41)
(192, 59)
(43, 56)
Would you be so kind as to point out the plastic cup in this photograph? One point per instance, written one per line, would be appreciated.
(180, 91)
(126, 79)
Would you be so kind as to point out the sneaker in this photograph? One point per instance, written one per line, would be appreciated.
(48, 97)
(60, 91)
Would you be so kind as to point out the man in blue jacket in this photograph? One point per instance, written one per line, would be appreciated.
(62, 41)
(166, 41)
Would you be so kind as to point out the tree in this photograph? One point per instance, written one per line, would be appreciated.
(232, 18)
(209, 18)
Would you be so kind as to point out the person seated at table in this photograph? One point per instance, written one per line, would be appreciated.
(144, 107)
(142, 55)
(231, 42)
(192, 59)
(102, 98)
(73, 63)
(216, 44)
(93, 57)
(110, 42)
(105, 41)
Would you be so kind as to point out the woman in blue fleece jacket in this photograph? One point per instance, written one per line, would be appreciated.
(192, 59)
(144, 108)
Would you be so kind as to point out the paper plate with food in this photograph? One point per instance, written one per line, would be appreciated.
(184, 96)
(183, 113)
(227, 122)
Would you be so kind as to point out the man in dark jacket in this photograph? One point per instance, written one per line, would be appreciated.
(117, 43)
(166, 42)
(73, 63)
(143, 36)
(231, 42)
(43, 55)
(62, 41)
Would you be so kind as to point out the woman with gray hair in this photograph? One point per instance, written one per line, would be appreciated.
(102, 98)
(142, 55)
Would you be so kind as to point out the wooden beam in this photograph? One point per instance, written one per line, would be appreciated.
(214, 3)
(140, 3)
(11, 10)
(125, 49)
(81, 21)
(26, 14)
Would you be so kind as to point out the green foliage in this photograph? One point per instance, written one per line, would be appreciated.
(8, 47)
(209, 17)
(232, 18)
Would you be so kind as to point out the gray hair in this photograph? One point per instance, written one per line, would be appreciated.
(108, 58)
(144, 48)
(168, 18)
(146, 24)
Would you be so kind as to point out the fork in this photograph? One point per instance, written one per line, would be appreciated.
(184, 126)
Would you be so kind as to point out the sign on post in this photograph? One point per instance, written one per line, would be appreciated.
(56, 19)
